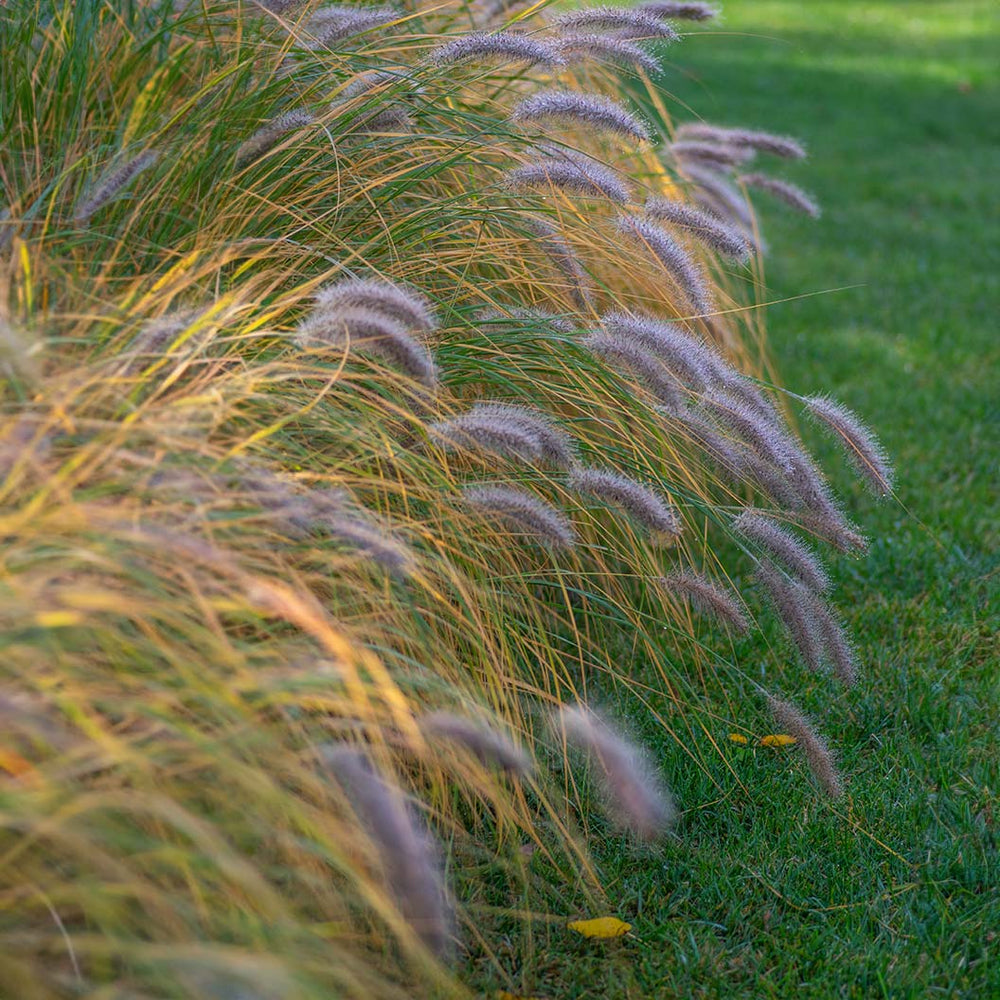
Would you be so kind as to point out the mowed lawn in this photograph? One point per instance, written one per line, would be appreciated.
(891, 303)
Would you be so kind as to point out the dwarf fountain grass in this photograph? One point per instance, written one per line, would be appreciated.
(485, 743)
(763, 142)
(559, 251)
(592, 110)
(502, 46)
(635, 796)
(672, 257)
(713, 154)
(627, 22)
(216, 566)
(369, 330)
(790, 194)
(508, 429)
(336, 22)
(406, 852)
(113, 183)
(708, 597)
(818, 755)
(688, 358)
(708, 229)
(523, 512)
(579, 46)
(622, 353)
(796, 557)
(717, 194)
(680, 9)
(860, 445)
(590, 179)
(266, 138)
(643, 504)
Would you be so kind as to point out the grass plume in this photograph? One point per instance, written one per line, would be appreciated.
(780, 543)
(483, 742)
(791, 194)
(708, 597)
(524, 512)
(761, 142)
(859, 443)
(498, 46)
(818, 755)
(579, 46)
(113, 183)
(635, 797)
(407, 855)
(708, 229)
(643, 504)
(591, 110)
(627, 22)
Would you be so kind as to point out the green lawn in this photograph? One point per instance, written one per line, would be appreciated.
(892, 304)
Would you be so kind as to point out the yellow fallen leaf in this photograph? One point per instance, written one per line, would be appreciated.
(58, 619)
(738, 738)
(778, 740)
(600, 927)
(504, 995)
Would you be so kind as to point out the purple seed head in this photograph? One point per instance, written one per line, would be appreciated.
(818, 755)
(626, 22)
(592, 110)
(633, 793)
(498, 46)
(578, 46)
(708, 597)
(707, 228)
(524, 512)
(790, 194)
(860, 444)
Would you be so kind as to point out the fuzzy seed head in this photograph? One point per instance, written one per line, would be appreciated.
(818, 755)
(509, 430)
(485, 743)
(707, 228)
(708, 597)
(672, 257)
(796, 609)
(498, 46)
(559, 251)
(633, 793)
(523, 512)
(593, 110)
(762, 142)
(681, 11)
(404, 305)
(860, 444)
(627, 22)
(588, 179)
(628, 357)
(790, 194)
(114, 182)
(577, 46)
(407, 854)
(642, 503)
(689, 359)
(336, 22)
(715, 154)
(714, 193)
(780, 543)
(368, 331)
(267, 137)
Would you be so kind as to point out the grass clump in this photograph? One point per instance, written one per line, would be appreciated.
(271, 534)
